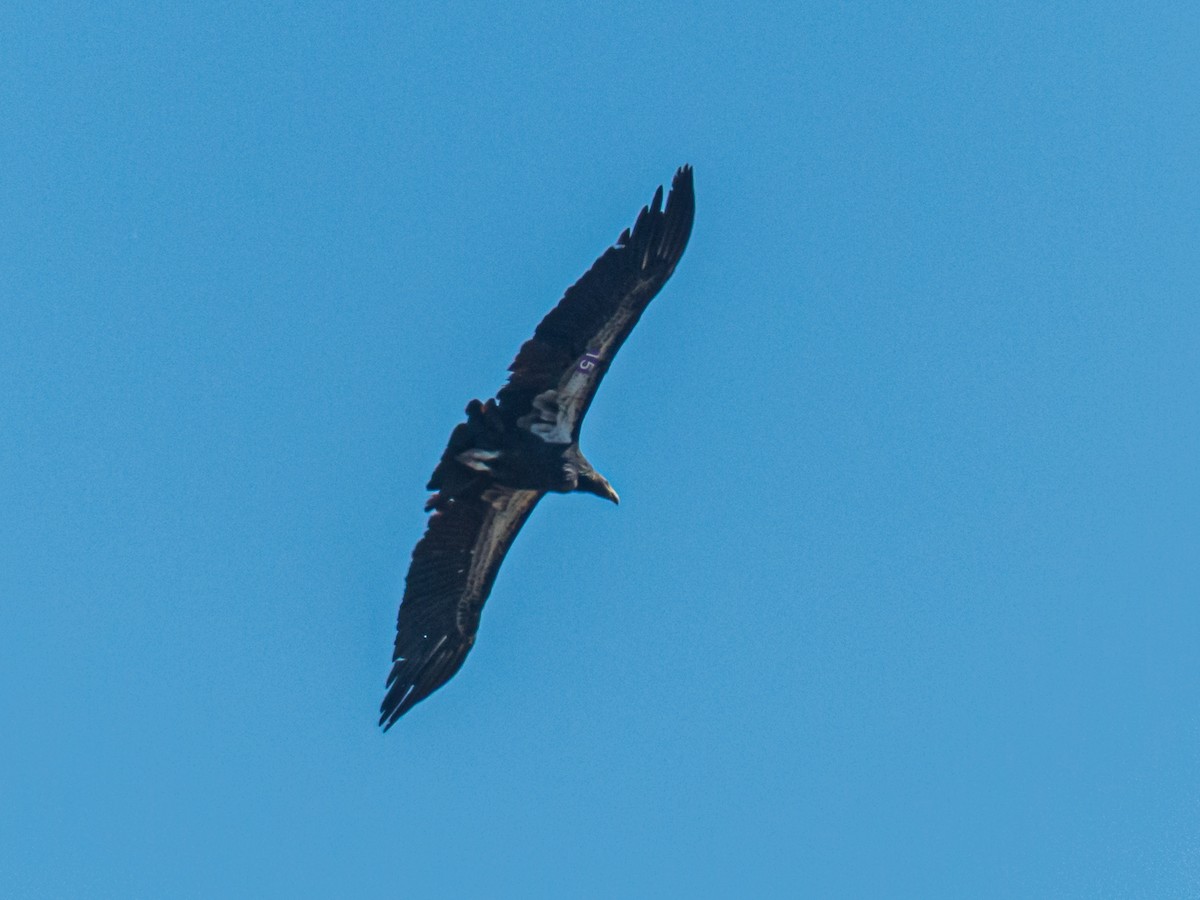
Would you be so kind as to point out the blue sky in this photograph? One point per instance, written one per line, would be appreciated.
(901, 598)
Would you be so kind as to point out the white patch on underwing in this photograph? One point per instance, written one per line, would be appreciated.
(478, 459)
(545, 419)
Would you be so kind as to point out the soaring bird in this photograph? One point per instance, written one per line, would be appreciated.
(515, 448)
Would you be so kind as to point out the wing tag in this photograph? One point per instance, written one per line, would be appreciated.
(587, 363)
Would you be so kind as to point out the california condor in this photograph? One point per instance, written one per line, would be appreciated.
(513, 449)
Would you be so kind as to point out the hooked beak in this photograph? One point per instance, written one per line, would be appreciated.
(609, 493)
(595, 483)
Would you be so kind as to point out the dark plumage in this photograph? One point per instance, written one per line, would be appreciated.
(514, 449)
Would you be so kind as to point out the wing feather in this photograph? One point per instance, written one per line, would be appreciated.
(575, 343)
(453, 568)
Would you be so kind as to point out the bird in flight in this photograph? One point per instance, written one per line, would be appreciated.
(515, 448)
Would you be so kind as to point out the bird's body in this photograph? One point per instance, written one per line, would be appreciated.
(514, 449)
(486, 449)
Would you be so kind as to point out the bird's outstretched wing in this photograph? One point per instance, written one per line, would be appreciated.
(453, 568)
(557, 371)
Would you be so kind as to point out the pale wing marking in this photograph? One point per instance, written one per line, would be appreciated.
(572, 389)
(505, 513)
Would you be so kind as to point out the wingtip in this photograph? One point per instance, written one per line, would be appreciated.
(682, 198)
(679, 214)
(682, 184)
(387, 711)
(395, 704)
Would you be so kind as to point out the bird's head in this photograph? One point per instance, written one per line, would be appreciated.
(593, 482)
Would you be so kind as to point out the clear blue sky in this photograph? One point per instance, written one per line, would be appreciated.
(903, 595)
